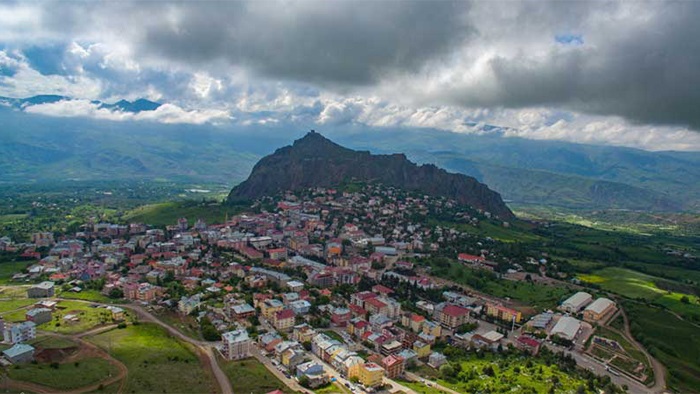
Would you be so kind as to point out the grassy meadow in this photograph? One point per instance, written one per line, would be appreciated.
(251, 376)
(157, 362)
(636, 285)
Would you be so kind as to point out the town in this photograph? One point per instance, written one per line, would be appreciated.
(323, 287)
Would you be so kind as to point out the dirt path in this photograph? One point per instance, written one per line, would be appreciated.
(659, 370)
(204, 349)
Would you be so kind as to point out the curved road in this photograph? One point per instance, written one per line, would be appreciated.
(205, 349)
(659, 370)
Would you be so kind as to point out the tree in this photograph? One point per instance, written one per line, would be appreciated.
(685, 300)
(116, 293)
(447, 371)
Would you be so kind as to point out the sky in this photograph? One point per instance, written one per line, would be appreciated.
(600, 72)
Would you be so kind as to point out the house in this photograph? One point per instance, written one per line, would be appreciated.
(117, 312)
(432, 328)
(529, 344)
(576, 302)
(278, 253)
(20, 332)
(283, 320)
(567, 327)
(19, 353)
(436, 360)
(42, 290)
(39, 315)
(469, 258)
(303, 333)
(503, 313)
(369, 374)
(391, 347)
(453, 316)
(394, 366)
(313, 373)
(295, 285)
(421, 348)
(491, 340)
(242, 311)
(300, 307)
(598, 309)
(270, 306)
(187, 305)
(236, 345)
(340, 316)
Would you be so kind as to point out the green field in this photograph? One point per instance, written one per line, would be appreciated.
(87, 295)
(66, 376)
(509, 374)
(333, 388)
(156, 361)
(168, 213)
(88, 317)
(637, 285)
(7, 306)
(420, 387)
(250, 376)
(674, 342)
(10, 266)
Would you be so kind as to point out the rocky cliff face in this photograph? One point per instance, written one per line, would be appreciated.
(315, 161)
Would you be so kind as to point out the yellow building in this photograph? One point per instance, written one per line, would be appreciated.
(371, 374)
(432, 328)
(422, 349)
(598, 309)
(270, 307)
(502, 313)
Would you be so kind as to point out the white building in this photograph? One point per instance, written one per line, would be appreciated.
(21, 332)
(567, 327)
(236, 345)
(576, 302)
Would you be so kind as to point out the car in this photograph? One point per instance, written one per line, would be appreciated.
(347, 384)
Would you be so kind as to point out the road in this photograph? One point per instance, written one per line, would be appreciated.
(205, 349)
(290, 382)
(598, 368)
(659, 370)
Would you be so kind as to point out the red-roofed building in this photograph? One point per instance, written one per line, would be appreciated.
(383, 290)
(283, 320)
(359, 299)
(375, 306)
(530, 344)
(470, 258)
(394, 366)
(453, 316)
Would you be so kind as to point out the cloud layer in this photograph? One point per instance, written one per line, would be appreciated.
(622, 73)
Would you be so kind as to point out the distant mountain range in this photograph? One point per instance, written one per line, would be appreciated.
(135, 106)
(315, 161)
(38, 148)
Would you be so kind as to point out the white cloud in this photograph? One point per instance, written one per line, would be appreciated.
(166, 113)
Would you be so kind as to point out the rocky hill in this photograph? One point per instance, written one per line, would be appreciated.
(315, 161)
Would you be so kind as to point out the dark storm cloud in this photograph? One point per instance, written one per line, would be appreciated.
(647, 71)
(330, 42)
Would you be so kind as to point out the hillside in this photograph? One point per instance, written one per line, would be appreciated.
(315, 161)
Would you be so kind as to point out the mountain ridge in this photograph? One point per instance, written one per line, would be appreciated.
(315, 161)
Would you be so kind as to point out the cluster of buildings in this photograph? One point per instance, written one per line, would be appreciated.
(276, 267)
